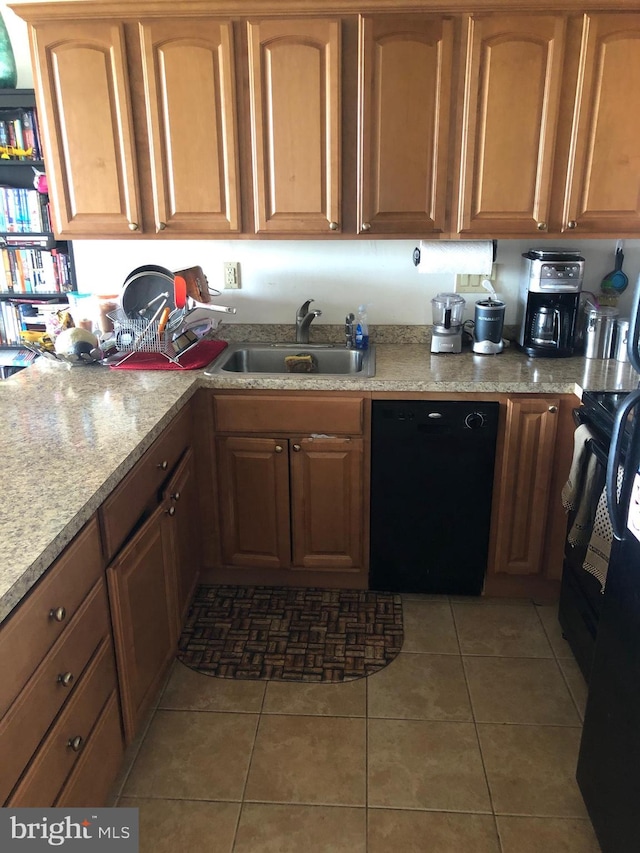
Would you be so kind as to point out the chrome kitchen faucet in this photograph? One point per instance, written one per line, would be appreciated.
(304, 318)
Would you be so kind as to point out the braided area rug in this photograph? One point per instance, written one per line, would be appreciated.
(291, 634)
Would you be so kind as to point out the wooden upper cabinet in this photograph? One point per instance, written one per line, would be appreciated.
(189, 86)
(405, 80)
(514, 66)
(85, 118)
(603, 178)
(294, 82)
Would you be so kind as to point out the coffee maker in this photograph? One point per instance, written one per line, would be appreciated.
(447, 322)
(548, 301)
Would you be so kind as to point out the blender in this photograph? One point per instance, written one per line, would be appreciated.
(487, 327)
(447, 322)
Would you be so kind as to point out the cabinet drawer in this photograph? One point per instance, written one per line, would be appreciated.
(126, 504)
(56, 757)
(38, 621)
(28, 719)
(98, 765)
(330, 415)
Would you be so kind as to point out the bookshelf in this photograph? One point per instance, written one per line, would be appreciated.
(37, 271)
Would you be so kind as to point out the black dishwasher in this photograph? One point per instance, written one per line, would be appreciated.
(432, 467)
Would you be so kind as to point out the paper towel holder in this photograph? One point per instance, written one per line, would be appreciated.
(416, 253)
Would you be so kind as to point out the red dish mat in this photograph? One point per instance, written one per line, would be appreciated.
(200, 356)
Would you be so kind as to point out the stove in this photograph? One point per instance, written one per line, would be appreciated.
(600, 408)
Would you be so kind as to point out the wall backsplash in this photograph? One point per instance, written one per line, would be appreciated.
(277, 276)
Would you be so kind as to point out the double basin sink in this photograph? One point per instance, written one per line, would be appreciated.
(311, 360)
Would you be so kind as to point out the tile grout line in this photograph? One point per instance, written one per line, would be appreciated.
(246, 780)
(559, 665)
(475, 727)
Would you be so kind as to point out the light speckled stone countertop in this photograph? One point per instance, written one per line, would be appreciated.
(69, 435)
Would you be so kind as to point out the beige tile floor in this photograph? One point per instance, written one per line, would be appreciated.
(466, 743)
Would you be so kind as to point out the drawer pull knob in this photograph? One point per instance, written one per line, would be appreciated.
(333, 226)
(58, 613)
(366, 226)
(65, 678)
(175, 496)
(553, 409)
(162, 226)
(164, 465)
(171, 511)
(278, 448)
(542, 226)
(572, 224)
(133, 226)
(75, 743)
(297, 448)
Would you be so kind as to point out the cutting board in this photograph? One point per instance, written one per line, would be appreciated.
(196, 358)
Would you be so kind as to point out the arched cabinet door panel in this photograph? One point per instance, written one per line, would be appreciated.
(509, 124)
(189, 87)
(85, 117)
(405, 78)
(603, 179)
(294, 84)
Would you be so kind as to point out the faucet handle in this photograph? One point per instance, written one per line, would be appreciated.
(303, 309)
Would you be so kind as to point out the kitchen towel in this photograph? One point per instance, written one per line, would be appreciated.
(596, 561)
(197, 357)
(573, 487)
(470, 257)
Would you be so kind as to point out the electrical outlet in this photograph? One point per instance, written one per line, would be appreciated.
(473, 283)
(231, 275)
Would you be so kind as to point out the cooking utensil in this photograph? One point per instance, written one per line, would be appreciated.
(615, 281)
(146, 329)
(192, 304)
(179, 291)
(142, 288)
(164, 317)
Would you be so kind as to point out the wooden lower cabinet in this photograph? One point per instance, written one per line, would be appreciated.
(293, 503)
(141, 589)
(528, 522)
(180, 500)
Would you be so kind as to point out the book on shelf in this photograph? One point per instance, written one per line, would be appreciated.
(23, 211)
(19, 134)
(33, 270)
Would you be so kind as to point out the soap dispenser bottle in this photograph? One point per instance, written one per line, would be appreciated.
(362, 328)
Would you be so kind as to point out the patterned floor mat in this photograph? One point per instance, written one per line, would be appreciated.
(291, 634)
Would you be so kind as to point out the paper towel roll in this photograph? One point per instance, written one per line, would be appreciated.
(473, 257)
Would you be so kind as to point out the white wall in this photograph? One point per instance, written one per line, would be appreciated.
(277, 276)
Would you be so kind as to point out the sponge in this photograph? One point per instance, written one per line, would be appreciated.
(303, 362)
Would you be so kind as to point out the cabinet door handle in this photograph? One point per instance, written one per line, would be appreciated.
(296, 448)
(366, 226)
(572, 224)
(171, 511)
(542, 226)
(333, 226)
(162, 226)
(553, 409)
(59, 614)
(278, 448)
(133, 226)
(164, 465)
(175, 496)
(65, 678)
(75, 743)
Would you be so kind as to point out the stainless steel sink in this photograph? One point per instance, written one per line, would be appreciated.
(327, 359)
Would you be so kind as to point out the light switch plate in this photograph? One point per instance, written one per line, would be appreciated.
(473, 283)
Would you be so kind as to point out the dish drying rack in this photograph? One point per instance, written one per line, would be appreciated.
(142, 335)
